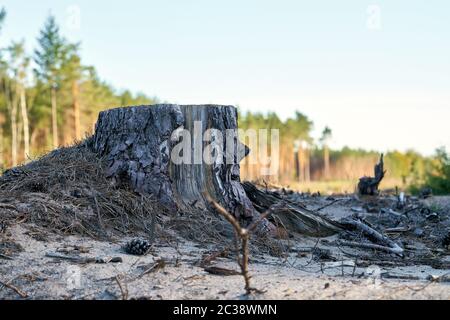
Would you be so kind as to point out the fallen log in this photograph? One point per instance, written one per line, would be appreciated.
(373, 235)
(291, 215)
(297, 218)
(368, 246)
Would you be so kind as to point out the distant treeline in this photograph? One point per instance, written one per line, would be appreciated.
(49, 97)
(302, 159)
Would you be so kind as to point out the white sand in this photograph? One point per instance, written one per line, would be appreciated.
(41, 277)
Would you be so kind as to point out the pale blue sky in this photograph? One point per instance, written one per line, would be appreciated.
(384, 88)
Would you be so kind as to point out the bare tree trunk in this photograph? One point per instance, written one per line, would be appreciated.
(307, 165)
(76, 110)
(301, 153)
(326, 160)
(26, 127)
(54, 119)
(12, 106)
(297, 165)
(2, 122)
(2, 159)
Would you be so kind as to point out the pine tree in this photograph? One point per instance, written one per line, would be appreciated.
(2, 77)
(49, 58)
(72, 71)
(19, 65)
(2, 17)
(325, 139)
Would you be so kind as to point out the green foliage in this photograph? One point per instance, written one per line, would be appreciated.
(298, 127)
(409, 166)
(58, 65)
(50, 53)
(2, 17)
(438, 178)
(326, 135)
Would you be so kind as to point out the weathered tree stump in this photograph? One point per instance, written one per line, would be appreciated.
(163, 150)
(139, 143)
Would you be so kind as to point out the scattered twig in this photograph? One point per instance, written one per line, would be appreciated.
(20, 292)
(327, 205)
(213, 256)
(221, 271)
(367, 246)
(81, 260)
(5, 257)
(158, 265)
(388, 275)
(99, 216)
(354, 267)
(375, 235)
(7, 206)
(394, 213)
(432, 279)
(442, 278)
(72, 248)
(397, 229)
(411, 209)
(244, 235)
(123, 291)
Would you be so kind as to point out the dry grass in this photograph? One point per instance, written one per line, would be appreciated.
(66, 191)
(210, 228)
(337, 186)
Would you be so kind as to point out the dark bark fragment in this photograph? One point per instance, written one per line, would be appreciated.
(369, 185)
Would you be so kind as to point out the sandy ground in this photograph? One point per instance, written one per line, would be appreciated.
(33, 275)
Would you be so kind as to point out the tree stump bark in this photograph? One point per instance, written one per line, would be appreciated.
(137, 143)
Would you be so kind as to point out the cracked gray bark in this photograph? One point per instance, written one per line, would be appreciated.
(137, 143)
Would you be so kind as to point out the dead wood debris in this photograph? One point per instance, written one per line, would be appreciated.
(123, 287)
(443, 278)
(9, 248)
(367, 246)
(379, 232)
(153, 267)
(369, 185)
(209, 258)
(8, 284)
(293, 215)
(68, 192)
(390, 246)
(242, 235)
(73, 249)
(388, 275)
(84, 260)
(221, 271)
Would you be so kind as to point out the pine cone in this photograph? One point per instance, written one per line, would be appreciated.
(137, 247)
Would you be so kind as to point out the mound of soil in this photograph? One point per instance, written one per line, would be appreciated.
(66, 191)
